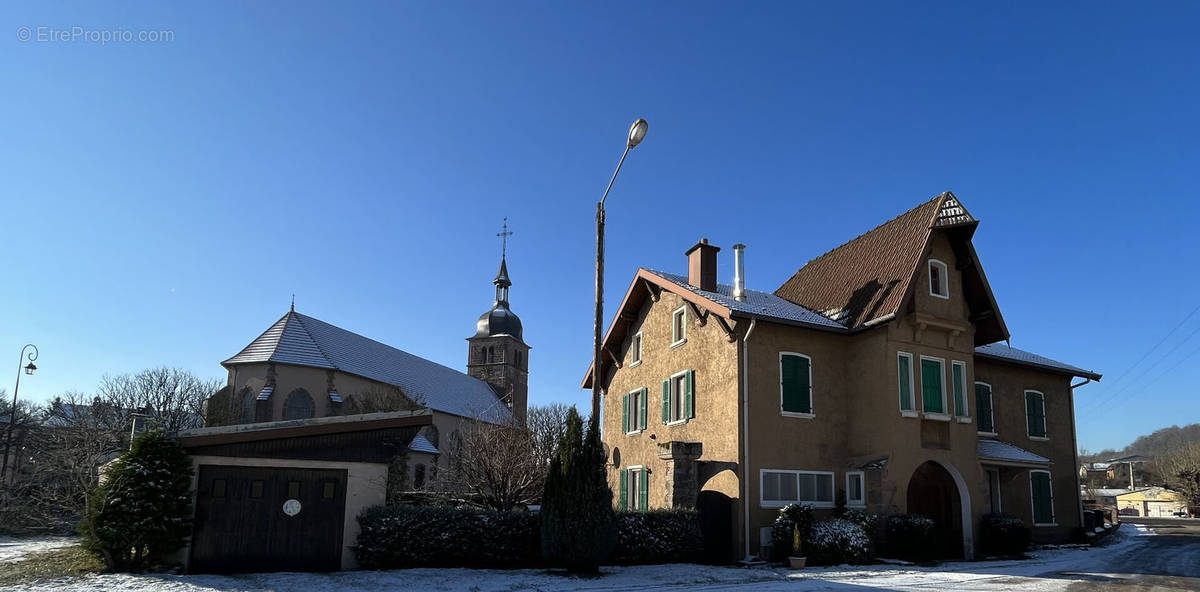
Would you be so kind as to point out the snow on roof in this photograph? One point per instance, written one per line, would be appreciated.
(1003, 451)
(1008, 353)
(757, 304)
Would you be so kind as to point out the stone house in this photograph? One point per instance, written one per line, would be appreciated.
(876, 377)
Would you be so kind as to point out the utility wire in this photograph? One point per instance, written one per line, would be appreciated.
(1100, 404)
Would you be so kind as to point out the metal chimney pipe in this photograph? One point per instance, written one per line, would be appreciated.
(739, 272)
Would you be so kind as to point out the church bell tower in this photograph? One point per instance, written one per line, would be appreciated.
(497, 354)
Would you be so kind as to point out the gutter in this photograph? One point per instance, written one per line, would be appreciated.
(1075, 448)
(746, 439)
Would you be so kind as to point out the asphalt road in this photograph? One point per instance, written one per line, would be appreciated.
(1170, 560)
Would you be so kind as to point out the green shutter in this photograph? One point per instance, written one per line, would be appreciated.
(931, 387)
(983, 408)
(623, 494)
(1043, 499)
(1035, 413)
(691, 393)
(642, 412)
(796, 391)
(905, 374)
(960, 397)
(625, 414)
(644, 493)
(666, 416)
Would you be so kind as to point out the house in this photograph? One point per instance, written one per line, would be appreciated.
(1096, 474)
(1153, 502)
(876, 377)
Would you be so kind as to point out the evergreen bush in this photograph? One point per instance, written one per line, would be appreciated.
(658, 536)
(444, 536)
(578, 522)
(792, 526)
(141, 512)
(1003, 534)
(911, 536)
(836, 541)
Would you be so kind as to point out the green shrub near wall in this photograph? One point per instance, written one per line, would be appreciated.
(911, 536)
(1003, 534)
(443, 536)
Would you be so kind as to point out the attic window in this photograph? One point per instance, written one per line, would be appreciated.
(938, 279)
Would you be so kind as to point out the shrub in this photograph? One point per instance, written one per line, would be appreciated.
(658, 536)
(142, 511)
(911, 536)
(836, 541)
(790, 530)
(418, 536)
(578, 524)
(868, 521)
(1003, 534)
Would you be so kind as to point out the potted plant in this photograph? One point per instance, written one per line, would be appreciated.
(796, 558)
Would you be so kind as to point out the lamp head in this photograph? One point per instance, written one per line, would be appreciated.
(637, 132)
(30, 369)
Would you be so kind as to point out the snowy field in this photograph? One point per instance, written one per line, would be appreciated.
(1050, 570)
(15, 549)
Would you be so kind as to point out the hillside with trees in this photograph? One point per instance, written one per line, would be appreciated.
(1173, 455)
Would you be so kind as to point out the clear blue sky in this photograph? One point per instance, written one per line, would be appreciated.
(162, 201)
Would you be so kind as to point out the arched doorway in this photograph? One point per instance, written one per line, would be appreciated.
(935, 493)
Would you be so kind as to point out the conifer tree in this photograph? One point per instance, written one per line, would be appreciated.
(578, 523)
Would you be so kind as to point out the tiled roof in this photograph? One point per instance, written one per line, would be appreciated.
(1003, 451)
(305, 341)
(757, 304)
(1008, 353)
(867, 278)
(422, 444)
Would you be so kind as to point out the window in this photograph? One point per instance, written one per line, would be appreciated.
(633, 414)
(635, 349)
(256, 489)
(218, 488)
(419, 476)
(634, 491)
(678, 402)
(1042, 496)
(933, 389)
(983, 408)
(1035, 414)
(938, 280)
(679, 326)
(904, 374)
(795, 384)
(293, 489)
(299, 405)
(248, 402)
(779, 488)
(958, 375)
(855, 489)
(328, 490)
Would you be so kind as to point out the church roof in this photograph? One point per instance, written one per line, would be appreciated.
(305, 341)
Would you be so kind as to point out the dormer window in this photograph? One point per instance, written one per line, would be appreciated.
(938, 279)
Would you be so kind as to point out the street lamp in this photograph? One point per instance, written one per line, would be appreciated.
(637, 132)
(12, 413)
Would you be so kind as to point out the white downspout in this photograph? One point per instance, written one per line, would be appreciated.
(746, 438)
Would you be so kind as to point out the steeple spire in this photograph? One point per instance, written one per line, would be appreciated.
(504, 234)
(502, 282)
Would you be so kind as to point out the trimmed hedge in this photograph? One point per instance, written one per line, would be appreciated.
(442, 536)
(911, 536)
(1003, 534)
(837, 541)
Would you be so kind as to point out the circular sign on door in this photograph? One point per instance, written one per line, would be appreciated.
(291, 507)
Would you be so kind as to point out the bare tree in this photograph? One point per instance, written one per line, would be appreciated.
(173, 397)
(1180, 468)
(546, 425)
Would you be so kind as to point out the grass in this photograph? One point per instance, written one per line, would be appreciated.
(66, 562)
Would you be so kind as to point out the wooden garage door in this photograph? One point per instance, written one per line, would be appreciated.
(245, 519)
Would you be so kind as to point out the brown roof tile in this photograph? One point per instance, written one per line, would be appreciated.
(867, 278)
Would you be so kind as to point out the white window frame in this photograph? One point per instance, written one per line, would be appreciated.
(992, 406)
(764, 503)
(962, 415)
(944, 415)
(635, 350)
(678, 340)
(811, 403)
(943, 279)
(994, 491)
(862, 490)
(680, 396)
(1033, 503)
(636, 423)
(633, 495)
(1045, 420)
(912, 385)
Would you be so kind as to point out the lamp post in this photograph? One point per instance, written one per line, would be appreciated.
(12, 413)
(637, 132)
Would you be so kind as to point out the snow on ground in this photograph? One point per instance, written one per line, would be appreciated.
(1045, 572)
(15, 549)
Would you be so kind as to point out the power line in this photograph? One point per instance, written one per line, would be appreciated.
(1128, 370)
(1098, 405)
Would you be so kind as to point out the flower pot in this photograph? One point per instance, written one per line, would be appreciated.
(797, 562)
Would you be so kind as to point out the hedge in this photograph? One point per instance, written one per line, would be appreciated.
(442, 536)
(837, 541)
(911, 536)
(1003, 534)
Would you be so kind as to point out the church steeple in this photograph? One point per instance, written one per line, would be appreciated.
(502, 282)
(497, 353)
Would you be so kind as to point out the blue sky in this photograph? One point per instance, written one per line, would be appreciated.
(162, 201)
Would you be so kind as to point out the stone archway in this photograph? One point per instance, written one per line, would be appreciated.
(938, 491)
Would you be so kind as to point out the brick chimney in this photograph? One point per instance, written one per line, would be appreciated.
(702, 265)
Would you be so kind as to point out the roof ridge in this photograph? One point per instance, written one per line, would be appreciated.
(881, 225)
(312, 338)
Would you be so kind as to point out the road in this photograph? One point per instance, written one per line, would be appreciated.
(1169, 560)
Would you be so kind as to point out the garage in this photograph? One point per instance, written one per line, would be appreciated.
(284, 496)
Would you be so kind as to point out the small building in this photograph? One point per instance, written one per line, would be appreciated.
(1152, 502)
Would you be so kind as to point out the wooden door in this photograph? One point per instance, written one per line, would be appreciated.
(251, 519)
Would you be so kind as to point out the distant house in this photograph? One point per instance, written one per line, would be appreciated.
(1153, 502)
(876, 377)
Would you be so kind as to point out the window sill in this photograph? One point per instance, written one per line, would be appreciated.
(935, 295)
(991, 434)
(856, 506)
(908, 413)
(1039, 438)
(676, 422)
(1046, 524)
(780, 504)
(634, 364)
(635, 432)
(963, 419)
(797, 414)
(936, 416)
(679, 343)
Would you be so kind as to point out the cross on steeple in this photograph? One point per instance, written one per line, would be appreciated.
(504, 234)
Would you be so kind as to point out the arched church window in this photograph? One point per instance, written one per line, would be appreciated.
(248, 401)
(419, 476)
(299, 405)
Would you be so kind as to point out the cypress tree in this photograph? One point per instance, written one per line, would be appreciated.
(578, 522)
